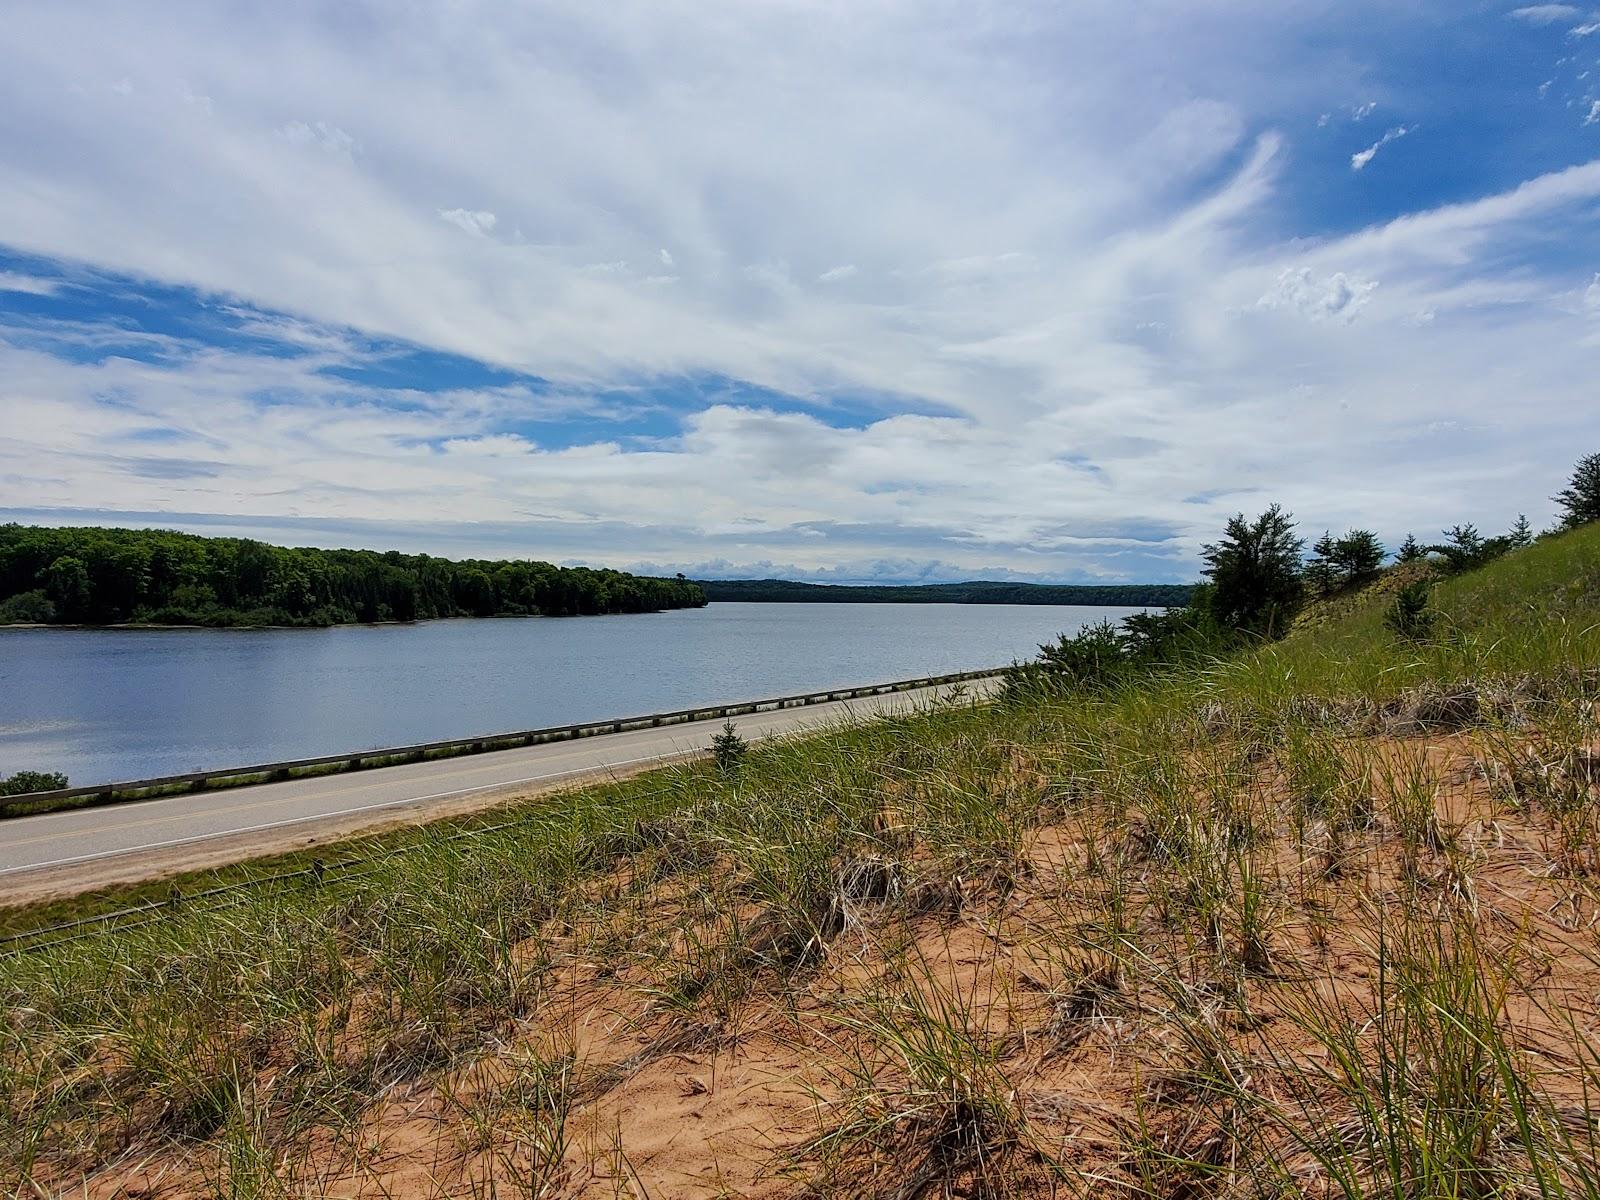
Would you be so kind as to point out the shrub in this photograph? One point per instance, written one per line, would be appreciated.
(27, 608)
(1091, 658)
(24, 782)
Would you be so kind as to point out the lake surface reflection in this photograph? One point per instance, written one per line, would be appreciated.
(113, 704)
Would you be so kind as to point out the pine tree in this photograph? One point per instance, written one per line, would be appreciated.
(1321, 575)
(729, 749)
(1410, 615)
(1465, 549)
(1358, 555)
(1410, 550)
(1581, 497)
(1255, 573)
(1521, 533)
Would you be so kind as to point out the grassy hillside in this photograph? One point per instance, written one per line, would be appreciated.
(1318, 920)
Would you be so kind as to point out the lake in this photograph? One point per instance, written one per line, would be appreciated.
(104, 705)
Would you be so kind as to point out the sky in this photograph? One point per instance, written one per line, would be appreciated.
(841, 290)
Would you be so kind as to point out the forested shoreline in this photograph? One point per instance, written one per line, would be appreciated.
(104, 576)
(779, 591)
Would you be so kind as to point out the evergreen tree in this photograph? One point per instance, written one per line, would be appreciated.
(1321, 575)
(1465, 549)
(1255, 573)
(1410, 550)
(1521, 533)
(1410, 615)
(1581, 497)
(1358, 555)
(728, 749)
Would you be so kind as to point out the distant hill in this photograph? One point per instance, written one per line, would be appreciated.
(978, 591)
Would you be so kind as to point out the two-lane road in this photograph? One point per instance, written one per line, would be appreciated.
(78, 849)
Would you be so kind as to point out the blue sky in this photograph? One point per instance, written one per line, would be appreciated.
(844, 291)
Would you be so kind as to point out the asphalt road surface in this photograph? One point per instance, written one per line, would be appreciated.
(79, 849)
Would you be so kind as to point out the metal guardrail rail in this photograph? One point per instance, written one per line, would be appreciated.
(94, 795)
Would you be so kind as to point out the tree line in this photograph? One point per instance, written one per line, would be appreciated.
(1131, 595)
(98, 576)
(1258, 577)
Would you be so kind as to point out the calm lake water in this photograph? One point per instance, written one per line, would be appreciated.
(106, 705)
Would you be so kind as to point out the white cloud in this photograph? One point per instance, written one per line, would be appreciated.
(1064, 309)
(666, 258)
(1363, 111)
(1361, 158)
(1584, 30)
(480, 224)
(1593, 117)
(1591, 296)
(1333, 298)
(1545, 14)
(32, 285)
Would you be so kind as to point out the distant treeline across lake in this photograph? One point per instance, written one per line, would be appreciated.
(95, 576)
(1131, 595)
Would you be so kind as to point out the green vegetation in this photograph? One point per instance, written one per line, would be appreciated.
(1409, 615)
(1339, 563)
(728, 749)
(23, 782)
(1317, 915)
(1126, 595)
(1580, 499)
(106, 576)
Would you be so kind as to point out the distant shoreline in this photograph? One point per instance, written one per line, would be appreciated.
(82, 626)
(977, 591)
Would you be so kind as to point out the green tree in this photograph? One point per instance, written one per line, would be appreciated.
(1255, 573)
(1410, 550)
(66, 583)
(1410, 616)
(728, 749)
(1465, 549)
(24, 782)
(1358, 555)
(1581, 497)
(1521, 533)
(1321, 575)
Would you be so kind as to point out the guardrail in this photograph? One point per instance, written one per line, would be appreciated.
(94, 795)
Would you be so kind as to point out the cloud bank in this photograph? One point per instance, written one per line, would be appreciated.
(820, 285)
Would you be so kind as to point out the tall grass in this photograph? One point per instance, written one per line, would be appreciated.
(1229, 833)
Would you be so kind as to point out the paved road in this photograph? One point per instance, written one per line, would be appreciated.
(75, 850)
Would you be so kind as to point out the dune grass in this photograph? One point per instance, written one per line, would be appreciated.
(1320, 919)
